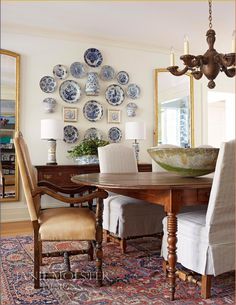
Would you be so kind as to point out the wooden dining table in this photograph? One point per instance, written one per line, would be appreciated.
(165, 189)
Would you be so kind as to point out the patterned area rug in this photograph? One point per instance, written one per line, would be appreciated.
(134, 278)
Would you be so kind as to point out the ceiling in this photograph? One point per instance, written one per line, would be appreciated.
(141, 24)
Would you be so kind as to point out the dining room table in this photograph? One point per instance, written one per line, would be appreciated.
(166, 189)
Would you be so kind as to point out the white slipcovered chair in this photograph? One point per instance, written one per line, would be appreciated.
(126, 217)
(206, 240)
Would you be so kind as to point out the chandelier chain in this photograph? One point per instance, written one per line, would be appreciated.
(210, 14)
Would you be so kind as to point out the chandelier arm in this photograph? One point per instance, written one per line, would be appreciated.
(174, 70)
(226, 60)
(197, 74)
(229, 72)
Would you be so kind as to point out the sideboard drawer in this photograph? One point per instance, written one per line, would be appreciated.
(61, 174)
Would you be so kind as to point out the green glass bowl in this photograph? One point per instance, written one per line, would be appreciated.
(186, 162)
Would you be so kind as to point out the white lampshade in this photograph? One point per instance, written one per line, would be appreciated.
(51, 129)
(135, 131)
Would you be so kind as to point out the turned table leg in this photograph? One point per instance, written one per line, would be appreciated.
(172, 257)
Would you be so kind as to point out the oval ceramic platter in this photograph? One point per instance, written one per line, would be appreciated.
(71, 134)
(93, 57)
(115, 95)
(107, 73)
(114, 134)
(93, 111)
(78, 70)
(47, 84)
(122, 78)
(70, 91)
(92, 133)
(133, 91)
(60, 72)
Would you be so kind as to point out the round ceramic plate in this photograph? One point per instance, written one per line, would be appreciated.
(133, 91)
(92, 133)
(93, 111)
(122, 78)
(115, 95)
(93, 57)
(70, 91)
(78, 70)
(71, 134)
(107, 73)
(60, 72)
(114, 134)
(47, 84)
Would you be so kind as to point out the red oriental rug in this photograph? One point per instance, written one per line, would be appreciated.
(134, 278)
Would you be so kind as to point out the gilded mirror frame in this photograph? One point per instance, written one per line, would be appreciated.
(16, 124)
(156, 105)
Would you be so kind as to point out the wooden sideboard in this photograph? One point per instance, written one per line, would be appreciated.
(61, 174)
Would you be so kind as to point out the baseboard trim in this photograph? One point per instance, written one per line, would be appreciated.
(14, 214)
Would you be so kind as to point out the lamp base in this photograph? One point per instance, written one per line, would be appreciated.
(52, 152)
(136, 149)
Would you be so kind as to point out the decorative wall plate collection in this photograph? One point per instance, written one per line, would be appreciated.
(71, 92)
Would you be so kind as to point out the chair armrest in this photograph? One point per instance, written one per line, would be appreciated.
(46, 191)
(65, 190)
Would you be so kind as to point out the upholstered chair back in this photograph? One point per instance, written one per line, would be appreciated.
(27, 175)
(117, 158)
(221, 208)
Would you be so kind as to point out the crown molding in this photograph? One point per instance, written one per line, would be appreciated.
(53, 34)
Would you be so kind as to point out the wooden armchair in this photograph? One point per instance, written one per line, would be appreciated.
(60, 224)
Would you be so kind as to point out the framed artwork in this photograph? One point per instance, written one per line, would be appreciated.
(113, 116)
(70, 114)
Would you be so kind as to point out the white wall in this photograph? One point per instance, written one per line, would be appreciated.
(38, 57)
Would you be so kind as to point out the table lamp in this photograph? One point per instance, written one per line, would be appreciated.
(135, 131)
(51, 130)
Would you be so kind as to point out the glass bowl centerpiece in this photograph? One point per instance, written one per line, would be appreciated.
(86, 152)
(186, 162)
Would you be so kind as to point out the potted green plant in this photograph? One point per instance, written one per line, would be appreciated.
(86, 152)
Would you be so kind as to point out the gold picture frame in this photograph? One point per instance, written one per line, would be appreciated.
(113, 116)
(70, 114)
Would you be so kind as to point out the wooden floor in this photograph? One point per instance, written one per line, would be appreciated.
(16, 228)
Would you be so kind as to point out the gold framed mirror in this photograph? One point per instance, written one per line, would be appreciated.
(174, 109)
(9, 124)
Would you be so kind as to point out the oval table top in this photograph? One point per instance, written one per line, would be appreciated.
(142, 180)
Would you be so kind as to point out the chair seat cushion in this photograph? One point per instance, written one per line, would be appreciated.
(129, 207)
(128, 217)
(67, 224)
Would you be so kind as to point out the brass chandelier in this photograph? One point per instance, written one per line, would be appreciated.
(209, 64)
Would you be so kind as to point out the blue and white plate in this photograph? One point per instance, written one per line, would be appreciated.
(114, 134)
(92, 133)
(115, 95)
(60, 72)
(93, 57)
(71, 134)
(93, 111)
(107, 73)
(122, 78)
(70, 91)
(47, 84)
(78, 70)
(133, 91)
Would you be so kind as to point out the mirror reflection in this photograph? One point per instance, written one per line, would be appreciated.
(173, 109)
(9, 124)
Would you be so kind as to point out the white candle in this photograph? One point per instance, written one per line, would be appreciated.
(172, 57)
(186, 45)
(233, 42)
